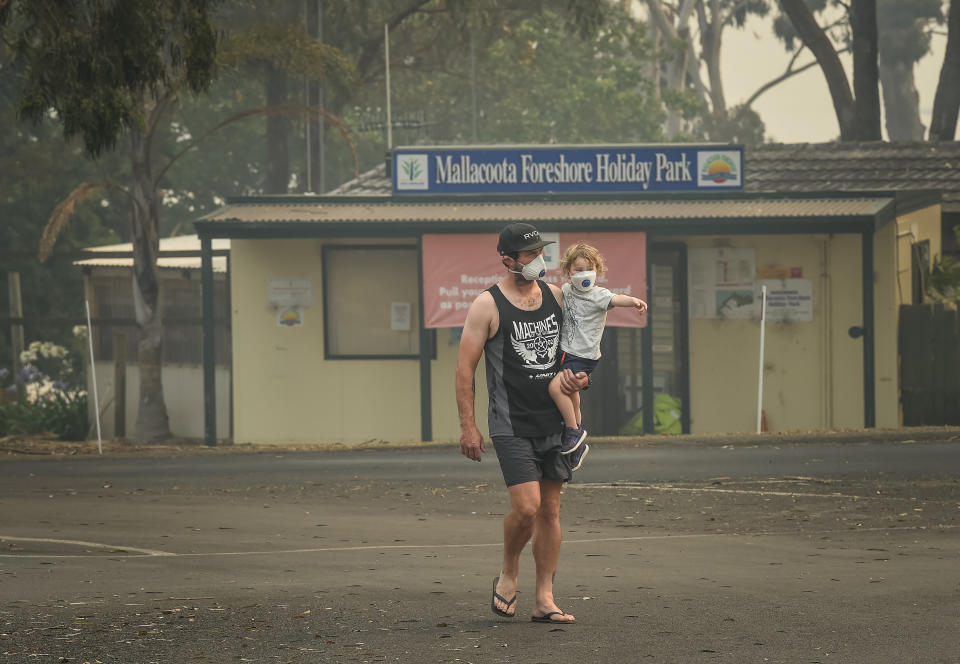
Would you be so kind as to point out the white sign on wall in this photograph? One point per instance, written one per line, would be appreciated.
(290, 293)
(789, 299)
(400, 316)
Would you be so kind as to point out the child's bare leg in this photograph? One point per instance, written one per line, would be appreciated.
(575, 401)
(564, 402)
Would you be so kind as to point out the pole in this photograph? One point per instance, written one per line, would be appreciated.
(426, 353)
(646, 347)
(120, 386)
(321, 124)
(16, 311)
(386, 50)
(763, 329)
(309, 121)
(93, 374)
(209, 361)
(869, 370)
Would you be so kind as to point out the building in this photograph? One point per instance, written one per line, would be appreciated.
(332, 342)
(107, 282)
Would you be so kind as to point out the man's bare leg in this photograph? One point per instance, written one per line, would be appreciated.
(546, 549)
(518, 527)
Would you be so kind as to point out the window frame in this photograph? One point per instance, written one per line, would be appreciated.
(326, 250)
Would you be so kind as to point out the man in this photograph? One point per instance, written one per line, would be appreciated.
(516, 326)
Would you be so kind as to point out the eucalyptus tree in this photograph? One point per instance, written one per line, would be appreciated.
(534, 79)
(36, 166)
(689, 34)
(903, 37)
(946, 103)
(108, 70)
(905, 30)
(858, 108)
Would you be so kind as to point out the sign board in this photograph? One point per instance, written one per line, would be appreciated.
(290, 293)
(789, 299)
(540, 170)
(457, 268)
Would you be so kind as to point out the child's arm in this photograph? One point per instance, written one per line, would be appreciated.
(627, 301)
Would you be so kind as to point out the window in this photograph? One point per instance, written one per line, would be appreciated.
(371, 304)
(181, 301)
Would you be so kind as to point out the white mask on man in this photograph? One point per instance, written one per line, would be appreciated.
(535, 269)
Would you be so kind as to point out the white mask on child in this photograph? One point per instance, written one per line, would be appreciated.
(583, 281)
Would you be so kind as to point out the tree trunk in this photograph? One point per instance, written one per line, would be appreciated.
(679, 65)
(278, 131)
(152, 421)
(946, 103)
(901, 101)
(866, 75)
(676, 76)
(819, 44)
(711, 29)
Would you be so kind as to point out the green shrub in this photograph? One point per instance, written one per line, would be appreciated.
(44, 401)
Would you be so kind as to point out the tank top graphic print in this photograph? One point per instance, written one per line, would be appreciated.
(521, 358)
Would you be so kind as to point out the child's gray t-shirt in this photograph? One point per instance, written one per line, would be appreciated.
(584, 315)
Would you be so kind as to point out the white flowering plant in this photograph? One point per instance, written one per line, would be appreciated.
(47, 394)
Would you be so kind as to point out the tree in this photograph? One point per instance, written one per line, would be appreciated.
(672, 32)
(36, 167)
(858, 116)
(943, 122)
(904, 29)
(428, 38)
(107, 68)
(278, 51)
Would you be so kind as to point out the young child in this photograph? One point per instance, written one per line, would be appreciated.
(585, 307)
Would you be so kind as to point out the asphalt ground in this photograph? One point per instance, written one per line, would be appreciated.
(239, 561)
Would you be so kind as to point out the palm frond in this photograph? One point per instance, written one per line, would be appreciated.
(61, 215)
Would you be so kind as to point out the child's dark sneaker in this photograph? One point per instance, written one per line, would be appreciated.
(577, 459)
(572, 438)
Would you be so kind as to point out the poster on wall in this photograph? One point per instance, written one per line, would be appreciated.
(457, 268)
(722, 283)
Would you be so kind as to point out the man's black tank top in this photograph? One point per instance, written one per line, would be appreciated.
(521, 358)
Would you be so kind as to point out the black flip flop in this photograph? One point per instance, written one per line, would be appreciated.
(497, 596)
(546, 618)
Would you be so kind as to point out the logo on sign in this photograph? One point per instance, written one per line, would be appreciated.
(719, 169)
(412, 172)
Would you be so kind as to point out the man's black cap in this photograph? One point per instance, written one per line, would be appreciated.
(520, 237)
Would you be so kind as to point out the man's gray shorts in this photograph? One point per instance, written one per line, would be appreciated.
(531, 459)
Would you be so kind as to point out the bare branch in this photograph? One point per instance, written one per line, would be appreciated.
(789, 73)
(292, 110)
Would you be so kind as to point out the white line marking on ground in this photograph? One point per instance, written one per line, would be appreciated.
(658, 487)
(96, 545)
(389, 547)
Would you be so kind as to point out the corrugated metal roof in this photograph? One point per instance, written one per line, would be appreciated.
(179, 243)
(327, 211)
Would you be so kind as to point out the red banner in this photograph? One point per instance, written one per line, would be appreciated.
(457, 268)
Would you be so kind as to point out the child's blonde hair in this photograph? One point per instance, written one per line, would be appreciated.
(585, 251)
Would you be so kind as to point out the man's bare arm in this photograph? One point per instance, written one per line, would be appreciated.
(476, 331)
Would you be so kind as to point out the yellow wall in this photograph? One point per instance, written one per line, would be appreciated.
(813, 377)
(286, 392)
(912, 228)
(725, 354)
